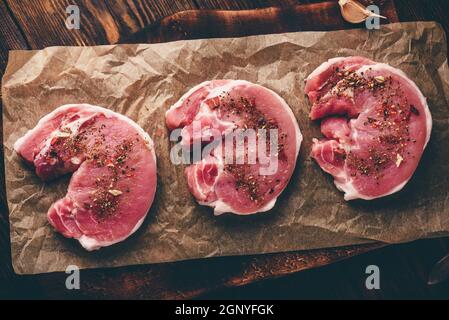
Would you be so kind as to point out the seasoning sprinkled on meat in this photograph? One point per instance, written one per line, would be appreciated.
(385, 120)
(114, 172)
(241, 112)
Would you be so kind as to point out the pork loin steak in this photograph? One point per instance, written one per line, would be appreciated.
(226, 107)
(376, 124)
(114, 172)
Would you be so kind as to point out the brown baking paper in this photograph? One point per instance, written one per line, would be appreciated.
(142, 81)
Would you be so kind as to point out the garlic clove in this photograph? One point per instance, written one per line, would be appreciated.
(353, 12)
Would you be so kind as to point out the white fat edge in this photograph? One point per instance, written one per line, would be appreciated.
(351, 193)
(395, 189)
(48, 117)
(402, 74)
(181, 100)
(179, 103)
(324, 66)
(96, 109)
(227, 87)
(72, 126)
(220, 208)
(91, 244)
(18, 144)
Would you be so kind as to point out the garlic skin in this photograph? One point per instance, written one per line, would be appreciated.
(354, 12)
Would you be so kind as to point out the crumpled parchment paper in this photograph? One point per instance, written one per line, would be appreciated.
(142, 81)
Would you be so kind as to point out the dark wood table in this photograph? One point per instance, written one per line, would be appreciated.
(35, 24)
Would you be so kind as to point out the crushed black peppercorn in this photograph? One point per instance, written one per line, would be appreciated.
(243, 112)
(90, 144)
(391, 118)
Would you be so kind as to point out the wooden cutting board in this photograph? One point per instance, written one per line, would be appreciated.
(190, 279)
(202, 24)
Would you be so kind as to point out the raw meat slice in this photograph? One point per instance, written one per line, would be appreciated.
(321, 83)
(114, 172)
(183, 111)
(226, 179)
(378, 128)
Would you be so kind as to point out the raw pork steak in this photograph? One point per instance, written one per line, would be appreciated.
(226, 107)
(114, 172)
(376, 123)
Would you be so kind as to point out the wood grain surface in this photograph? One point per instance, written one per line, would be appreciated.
(201, 24)
(35, 24)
